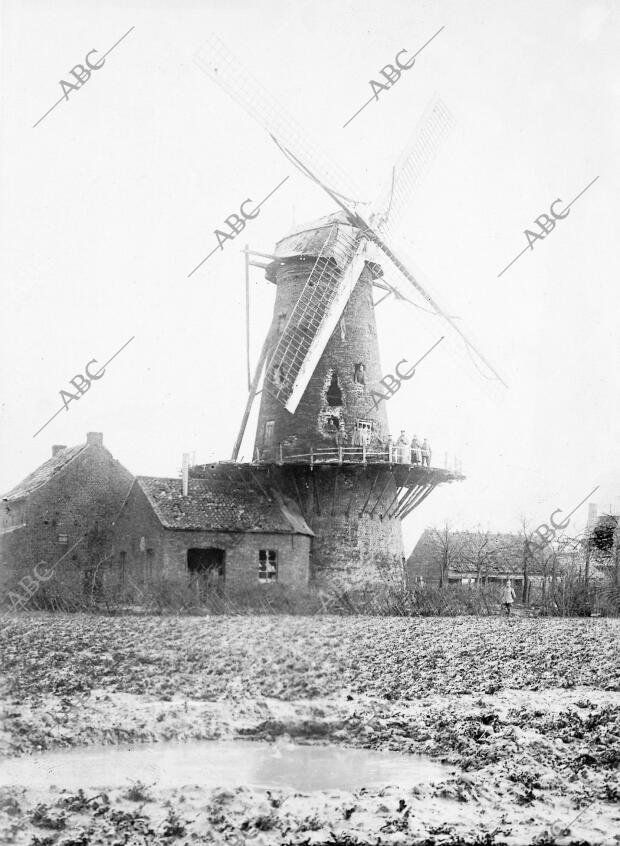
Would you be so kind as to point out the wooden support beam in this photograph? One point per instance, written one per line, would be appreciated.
(317, 498)
(297, 493)
(414, 502)
(335, 492)
(377, 284)
(370, 492)
(256, 253)
(387, 482)
(251, 395)
(255, 479)
(247, 316)
(420, 500)
(387, 511)
(406, 500)
(400, 504)
(380, 300)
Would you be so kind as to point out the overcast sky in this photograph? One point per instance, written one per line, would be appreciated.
(111, 200)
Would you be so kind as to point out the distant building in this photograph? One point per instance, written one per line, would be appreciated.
(62, 510)
(211, 533)
(472, 557)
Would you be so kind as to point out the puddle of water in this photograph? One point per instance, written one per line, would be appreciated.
(229, 764)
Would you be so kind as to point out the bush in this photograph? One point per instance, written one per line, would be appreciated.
(75, 591)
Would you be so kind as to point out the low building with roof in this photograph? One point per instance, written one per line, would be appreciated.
(61, 514)
(449, 557)
(218, 529)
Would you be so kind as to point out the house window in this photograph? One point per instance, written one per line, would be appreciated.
(267, 565)
(359, 374)
(122, 562)
(269, 424)
(281, 322)
(63, 538)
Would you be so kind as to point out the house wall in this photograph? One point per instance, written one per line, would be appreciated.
(138, 529)
(242, 554)
(81, 499)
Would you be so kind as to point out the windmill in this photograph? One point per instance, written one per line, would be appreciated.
(315, 435)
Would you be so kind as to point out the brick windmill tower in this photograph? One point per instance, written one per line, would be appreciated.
(320, 439)
(331, 453)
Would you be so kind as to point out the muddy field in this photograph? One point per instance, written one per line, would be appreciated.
(525, 713)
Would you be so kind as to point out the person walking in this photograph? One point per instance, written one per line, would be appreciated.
(508, 597)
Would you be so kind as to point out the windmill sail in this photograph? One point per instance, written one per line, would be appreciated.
(416, 279)
(414, 162)
(222, 66)
(216, 60)
(316, 313)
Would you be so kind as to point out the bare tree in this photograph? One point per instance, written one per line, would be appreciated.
(447, 548)
(478, 553)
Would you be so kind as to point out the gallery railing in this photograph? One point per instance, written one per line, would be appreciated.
(351, 455)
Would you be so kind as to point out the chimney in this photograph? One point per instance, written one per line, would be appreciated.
(592, 514)
(94, 438)
(185, 472)
(57, 448)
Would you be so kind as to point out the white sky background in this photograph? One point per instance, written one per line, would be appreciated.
(107, 205)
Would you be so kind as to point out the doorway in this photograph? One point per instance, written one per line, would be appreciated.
(207, 570)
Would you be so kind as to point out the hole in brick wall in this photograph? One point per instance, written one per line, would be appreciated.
(334, 394)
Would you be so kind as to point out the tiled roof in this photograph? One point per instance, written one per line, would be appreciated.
(44, 473)
(221, 505)
(502, 553)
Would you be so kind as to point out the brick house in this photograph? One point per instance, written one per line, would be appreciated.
(209, 533)
(62, 510)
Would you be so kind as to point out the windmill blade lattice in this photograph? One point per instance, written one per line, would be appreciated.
(402, 263)
(216, 60)
(316, 312)
(414, 162)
